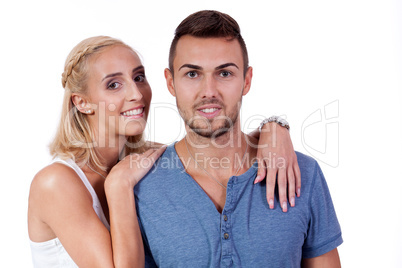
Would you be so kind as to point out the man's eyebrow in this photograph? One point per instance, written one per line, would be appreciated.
(119, 73)
(190, 66)
(223, 66)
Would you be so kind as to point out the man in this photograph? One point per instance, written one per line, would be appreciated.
(199, 207)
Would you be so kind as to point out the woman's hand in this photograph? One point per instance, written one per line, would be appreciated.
(277, 159)
(133, 168)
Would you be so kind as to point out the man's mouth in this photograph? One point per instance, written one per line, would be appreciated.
(209, 110)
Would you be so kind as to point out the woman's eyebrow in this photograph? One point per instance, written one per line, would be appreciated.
(119, 73)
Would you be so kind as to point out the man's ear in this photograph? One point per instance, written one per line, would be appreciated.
(82, 104)
(247, 80)
(170, 82)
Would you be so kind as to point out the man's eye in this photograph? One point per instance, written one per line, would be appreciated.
(113, 85)
(225, 73)
(139, 78)
(192, 74)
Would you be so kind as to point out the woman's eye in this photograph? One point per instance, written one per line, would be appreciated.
(113, 85)
(139, 78)
(192, 74)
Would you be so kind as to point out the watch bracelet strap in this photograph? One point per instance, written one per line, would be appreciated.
(276, 119)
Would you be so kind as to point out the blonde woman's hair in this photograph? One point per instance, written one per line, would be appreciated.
(75, 137)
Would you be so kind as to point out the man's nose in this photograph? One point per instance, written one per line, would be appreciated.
(209, 87)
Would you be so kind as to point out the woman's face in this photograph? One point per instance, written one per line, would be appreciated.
(119, 93)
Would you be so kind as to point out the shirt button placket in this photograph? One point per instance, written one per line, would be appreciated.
(226, 240)
(226, 229)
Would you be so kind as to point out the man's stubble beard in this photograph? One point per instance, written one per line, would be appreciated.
(205, 127)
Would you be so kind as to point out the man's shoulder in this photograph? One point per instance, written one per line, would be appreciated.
(309, 168)
(169, 163)
(166, 169)
(305, 160)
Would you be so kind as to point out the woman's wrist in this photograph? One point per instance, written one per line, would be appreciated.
(275, 119)
(115, 186)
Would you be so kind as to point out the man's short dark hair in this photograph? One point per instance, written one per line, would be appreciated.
(206, 24)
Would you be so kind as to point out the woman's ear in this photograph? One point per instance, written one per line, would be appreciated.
(82, 104)
(169, 82)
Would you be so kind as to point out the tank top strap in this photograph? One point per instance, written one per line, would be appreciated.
(96, 203)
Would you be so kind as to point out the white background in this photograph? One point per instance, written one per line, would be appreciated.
(342, 58)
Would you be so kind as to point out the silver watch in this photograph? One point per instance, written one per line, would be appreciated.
(277, 119)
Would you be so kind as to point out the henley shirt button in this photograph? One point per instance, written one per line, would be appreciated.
(225, 218)
(226, 235)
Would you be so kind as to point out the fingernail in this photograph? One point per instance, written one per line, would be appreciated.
(271, 203)
(292, 201)
(298, 192)
(284, 207)
(257, 179)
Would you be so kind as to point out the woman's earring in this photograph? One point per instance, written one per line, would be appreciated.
(88, 111)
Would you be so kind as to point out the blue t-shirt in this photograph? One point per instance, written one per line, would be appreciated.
(181, 226)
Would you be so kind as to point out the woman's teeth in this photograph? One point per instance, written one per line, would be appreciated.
(133, 112)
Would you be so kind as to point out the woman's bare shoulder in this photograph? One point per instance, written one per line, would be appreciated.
(52, 175)
(56, 179)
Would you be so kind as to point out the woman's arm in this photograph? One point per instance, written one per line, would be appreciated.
(128, 250)
(61, 206)
(277, 159)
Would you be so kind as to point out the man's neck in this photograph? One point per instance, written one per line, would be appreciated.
(211, 162)
(224, 156)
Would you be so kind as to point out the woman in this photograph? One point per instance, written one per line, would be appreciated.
(72, 201)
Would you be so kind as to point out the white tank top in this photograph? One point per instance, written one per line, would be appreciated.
(52, 253)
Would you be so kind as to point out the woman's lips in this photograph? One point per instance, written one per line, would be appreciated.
(134, 113)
